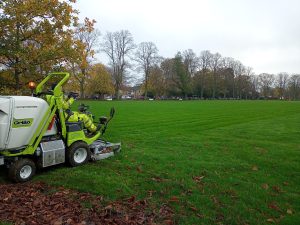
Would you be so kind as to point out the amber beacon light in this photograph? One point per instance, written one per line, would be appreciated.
(32, 86)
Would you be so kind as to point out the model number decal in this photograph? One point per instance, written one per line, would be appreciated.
(17, 123)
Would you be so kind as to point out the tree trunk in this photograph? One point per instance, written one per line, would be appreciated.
(81, 90)
(214, 85)
(233, 89)
(17, 78)
(117, 92)
(17, 71)
(202, 84)
(82, 83)
(146, 89)
(202, 90)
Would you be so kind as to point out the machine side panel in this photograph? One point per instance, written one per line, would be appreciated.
(27, 115)
(53, 152)
(6, 104)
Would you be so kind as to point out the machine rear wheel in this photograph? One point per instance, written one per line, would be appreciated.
(78, 154)
(22, 170)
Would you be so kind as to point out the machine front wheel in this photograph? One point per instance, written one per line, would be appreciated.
(78, 154)
(22, 170)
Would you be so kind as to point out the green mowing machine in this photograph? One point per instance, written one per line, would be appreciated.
(35, 132)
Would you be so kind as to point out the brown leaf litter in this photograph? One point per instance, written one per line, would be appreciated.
(39, 203)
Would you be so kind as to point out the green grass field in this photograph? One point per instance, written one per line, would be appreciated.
(226, 162)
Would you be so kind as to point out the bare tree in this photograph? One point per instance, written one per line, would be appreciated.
(146, 56)
(191, 62)
(282, 82)
(294, 86)
(266, 81)
(246, 83)
(254, 86)
(204, 65)
(118, 47)
(239, 71)
(215, 67)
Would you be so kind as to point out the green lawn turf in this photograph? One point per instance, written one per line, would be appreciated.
(227, 162)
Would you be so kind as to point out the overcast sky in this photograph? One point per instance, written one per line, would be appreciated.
(262, 34)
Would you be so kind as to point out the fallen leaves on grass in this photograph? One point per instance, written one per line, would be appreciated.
(168, 222)
(261, 150)
(220, 217)
(193, 208)
(150, 193)
(189, 192)
(158, 179)
(198, 179)
(139, 169)
(128, 167)
(216, 201)
(273, 205)
(254, 168)
(131, 199)
(285, 183)
(289, 211)
(271, 220)
(174, 199)
(38, 203)
(277, 189)
(200, 215)
(265, 186)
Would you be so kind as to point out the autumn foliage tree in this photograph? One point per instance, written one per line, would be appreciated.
(86, 39)
(35, 35)
(156, 82)
(99, 81)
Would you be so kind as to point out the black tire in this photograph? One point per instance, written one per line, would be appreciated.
(78, 153)
(22, 170)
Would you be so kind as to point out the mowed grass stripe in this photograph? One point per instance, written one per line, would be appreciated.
(193, 126)
(159, 118)
(235, 147)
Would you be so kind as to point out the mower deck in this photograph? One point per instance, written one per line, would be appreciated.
(102, 149)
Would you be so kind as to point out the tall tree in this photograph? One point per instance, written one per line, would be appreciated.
(182, 78)
(266, 82)
(239, 71)
(294, 86)
(254, 86)
(86, 43)
(99, 81)
(228, 65)
(35, 35)
(215, 66)
(204, 66)
(191, 62)
(146, 56)
(157, 84)
(169, 73)
(281, 83)
(246, 83)
(118, 47)
(226, 77)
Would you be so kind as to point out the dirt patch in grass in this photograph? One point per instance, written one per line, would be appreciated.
(39, 203)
